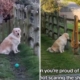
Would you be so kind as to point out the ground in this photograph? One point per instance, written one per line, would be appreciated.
(28, 61)
(66, 60)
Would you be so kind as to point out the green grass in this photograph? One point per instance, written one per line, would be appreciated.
(26, 58)
(66, 60)
(70, 25)
(30, 60)
(5, 69)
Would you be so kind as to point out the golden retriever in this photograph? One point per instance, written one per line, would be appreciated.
(59, 44)
(11, 42)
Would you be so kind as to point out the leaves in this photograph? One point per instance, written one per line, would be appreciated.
(5, 6)
(51, 6)
(48, 5)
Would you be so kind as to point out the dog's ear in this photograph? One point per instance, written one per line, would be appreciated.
(67, 35)
(13, 31)
(20, 30)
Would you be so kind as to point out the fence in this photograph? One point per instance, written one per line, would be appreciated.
(27, 18)
(54, 25)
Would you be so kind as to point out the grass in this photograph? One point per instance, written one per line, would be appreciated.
(30, 60)
(5, 69)
(66, 60)
(50, 61)
(26, 58)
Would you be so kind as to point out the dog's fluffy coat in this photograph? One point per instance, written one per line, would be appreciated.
(59, 44)
(11, 42)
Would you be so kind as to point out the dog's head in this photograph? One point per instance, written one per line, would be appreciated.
(66, 35)
(16, 32)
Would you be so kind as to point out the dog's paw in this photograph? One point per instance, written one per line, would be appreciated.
(18, 51)
(15, 52)
(61, 52)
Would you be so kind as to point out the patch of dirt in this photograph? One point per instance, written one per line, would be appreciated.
(19, 72)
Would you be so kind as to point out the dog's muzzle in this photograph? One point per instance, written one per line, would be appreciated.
(18, 34)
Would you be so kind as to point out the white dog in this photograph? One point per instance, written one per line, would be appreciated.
(59, 44)
(11, 42)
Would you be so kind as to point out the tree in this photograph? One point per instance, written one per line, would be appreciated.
(6, 6)
(48, 5)
(52, 5)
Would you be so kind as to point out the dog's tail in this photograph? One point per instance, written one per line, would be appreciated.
(49, 49)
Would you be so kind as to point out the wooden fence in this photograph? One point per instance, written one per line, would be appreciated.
(54, 25)
(27, 19)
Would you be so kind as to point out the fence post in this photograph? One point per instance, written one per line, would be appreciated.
(44, 23)
(43, 27)
(65, 23)
(53, 26)
(47, 23)
(58, 28)
(3, 30)
(9, 26)
(65, 29)
(50, 24)
(75, 40)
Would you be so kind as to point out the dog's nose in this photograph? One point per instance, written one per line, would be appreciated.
(18, 33)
